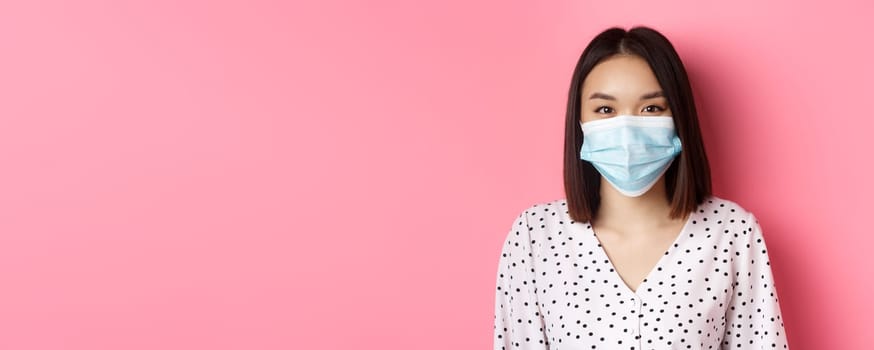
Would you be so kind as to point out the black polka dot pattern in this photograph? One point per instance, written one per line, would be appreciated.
(712, 289)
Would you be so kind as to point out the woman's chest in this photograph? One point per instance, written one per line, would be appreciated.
(584, 301)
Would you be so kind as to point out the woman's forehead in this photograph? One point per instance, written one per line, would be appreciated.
(623, 77)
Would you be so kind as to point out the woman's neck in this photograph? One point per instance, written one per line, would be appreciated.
(618, 210)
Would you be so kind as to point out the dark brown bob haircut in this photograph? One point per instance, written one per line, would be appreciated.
(687, 180)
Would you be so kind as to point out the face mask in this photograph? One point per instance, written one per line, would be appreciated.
(631, 152)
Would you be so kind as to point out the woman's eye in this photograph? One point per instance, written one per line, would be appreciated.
(603, 107)
(653, 108)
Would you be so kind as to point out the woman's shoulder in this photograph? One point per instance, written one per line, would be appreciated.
(544, 218)
(738, 224)
(540, 226)
(556, 207)
(547, 204)
(722, 207)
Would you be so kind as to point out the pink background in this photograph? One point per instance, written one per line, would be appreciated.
(341, 174)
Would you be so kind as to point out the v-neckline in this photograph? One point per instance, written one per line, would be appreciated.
(661, 261)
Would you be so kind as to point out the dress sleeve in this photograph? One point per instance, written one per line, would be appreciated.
(753, 317)
(519, 323)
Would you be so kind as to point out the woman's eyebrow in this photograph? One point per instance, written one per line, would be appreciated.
(608, 97)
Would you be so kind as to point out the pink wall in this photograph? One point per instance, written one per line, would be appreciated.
(335, 175)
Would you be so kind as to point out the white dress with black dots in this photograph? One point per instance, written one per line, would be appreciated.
(712, 289)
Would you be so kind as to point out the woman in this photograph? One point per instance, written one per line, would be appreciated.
(640, 254)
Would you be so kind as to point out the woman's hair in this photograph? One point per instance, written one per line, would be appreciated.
(687, 180)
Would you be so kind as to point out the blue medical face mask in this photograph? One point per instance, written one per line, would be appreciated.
(631, 152)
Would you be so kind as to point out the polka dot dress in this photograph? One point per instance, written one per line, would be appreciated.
(712, 289)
